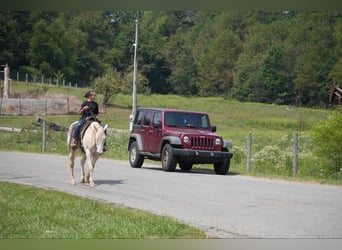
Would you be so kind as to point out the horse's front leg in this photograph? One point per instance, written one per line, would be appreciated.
(91, 165)
(71, 161)
(83, 160)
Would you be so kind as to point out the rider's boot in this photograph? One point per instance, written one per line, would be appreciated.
(74, 143)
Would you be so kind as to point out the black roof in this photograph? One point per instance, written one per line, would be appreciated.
(170, 110)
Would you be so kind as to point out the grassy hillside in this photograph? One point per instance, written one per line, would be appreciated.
(272, 128)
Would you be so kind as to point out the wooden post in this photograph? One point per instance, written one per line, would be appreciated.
(295, 155)
(249, 152)
(44, 136)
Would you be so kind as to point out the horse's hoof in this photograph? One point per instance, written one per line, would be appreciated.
(73, 183)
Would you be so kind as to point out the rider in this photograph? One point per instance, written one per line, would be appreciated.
(88, 108)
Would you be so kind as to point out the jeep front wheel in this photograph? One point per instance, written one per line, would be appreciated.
(222, 168)
(136, 160)
(168, 160)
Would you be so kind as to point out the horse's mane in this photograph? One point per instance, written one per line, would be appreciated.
(99, 129)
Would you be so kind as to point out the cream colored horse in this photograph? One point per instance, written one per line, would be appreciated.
(93, 143)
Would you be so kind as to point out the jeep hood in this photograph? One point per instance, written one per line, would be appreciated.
(194, 131)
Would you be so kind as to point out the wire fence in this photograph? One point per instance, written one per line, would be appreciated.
(285, 155)
(32, 78)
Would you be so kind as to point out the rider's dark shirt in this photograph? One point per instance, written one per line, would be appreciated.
(93, 109)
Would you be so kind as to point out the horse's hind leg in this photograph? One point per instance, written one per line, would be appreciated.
(83, 160)
(72, 155)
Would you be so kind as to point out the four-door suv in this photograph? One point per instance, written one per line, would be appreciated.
(177, 136)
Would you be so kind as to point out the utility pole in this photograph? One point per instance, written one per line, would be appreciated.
(6, 81)
(134, 102)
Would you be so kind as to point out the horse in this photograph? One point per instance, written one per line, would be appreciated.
(92, 147)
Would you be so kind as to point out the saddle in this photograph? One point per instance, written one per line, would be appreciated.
(83, 129)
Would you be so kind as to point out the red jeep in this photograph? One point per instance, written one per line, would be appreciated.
(177, 136)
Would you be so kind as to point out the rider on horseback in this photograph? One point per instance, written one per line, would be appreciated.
(89, 108)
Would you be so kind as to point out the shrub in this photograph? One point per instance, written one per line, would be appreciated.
(327, 137)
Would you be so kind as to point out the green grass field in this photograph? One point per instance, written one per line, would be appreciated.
(28, 212)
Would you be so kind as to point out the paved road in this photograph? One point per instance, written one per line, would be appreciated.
(223, 206)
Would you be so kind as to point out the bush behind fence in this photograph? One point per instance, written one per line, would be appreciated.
(287, 155)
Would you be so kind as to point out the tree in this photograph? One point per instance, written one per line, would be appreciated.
(277, 83)
(153, 35)
(336, 71)
(261, 68)
(216, 66)
(178, 53)
(110, 84)
(314, 49)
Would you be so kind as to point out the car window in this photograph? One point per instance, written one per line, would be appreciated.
(147, 118)
(169, 119)
(138, 117)
(180, 119)
(157, 117)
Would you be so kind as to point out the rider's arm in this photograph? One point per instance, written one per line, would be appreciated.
(84, 108)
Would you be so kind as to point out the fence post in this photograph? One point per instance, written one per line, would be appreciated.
(44, 136)
(295, 154)
(249, 152)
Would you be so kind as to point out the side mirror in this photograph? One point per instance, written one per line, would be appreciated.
(156, 124)
(213, 128)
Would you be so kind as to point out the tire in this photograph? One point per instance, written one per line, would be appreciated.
(136, 160)
(185, 166)
(222, 168)
(168, 160)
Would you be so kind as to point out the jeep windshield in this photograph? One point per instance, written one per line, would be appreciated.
(192, 120)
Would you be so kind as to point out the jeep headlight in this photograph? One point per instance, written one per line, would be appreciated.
(186, 139)
(218, 141)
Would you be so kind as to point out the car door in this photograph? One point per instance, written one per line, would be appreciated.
(145, 129)
(154, 135)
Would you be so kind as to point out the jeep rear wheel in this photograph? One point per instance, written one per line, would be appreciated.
(135, 158)
(222, 168)
(168, 160)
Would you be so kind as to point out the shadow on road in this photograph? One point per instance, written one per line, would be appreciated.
(192, 171)
(108, 182)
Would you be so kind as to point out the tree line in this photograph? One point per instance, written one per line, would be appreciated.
(285, 57)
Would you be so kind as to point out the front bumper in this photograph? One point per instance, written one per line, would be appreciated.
(201, 156)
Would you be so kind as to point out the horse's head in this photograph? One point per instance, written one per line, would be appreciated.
(101, 135)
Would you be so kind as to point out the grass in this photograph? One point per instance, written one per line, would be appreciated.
(28, 212)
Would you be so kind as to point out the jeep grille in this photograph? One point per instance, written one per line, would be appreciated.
(201, 142)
